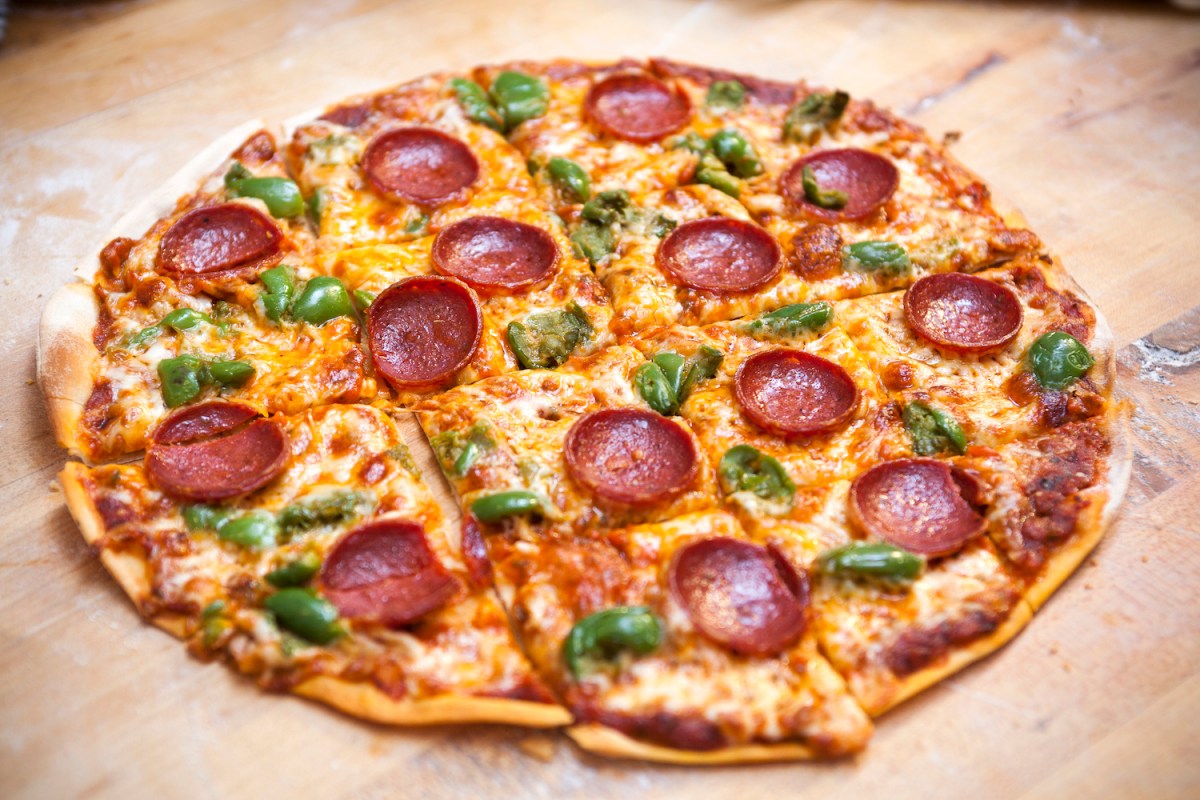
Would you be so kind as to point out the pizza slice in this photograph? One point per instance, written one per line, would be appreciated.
(684, 641)
(307, 552)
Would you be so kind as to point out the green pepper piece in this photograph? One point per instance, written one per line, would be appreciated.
(737, 154)
(692, 142)
(230, 373)
(519, 97)
(825, 198)
(877, 560)
(601, 636)
(570, 178)
(594, 242)
(324, 298)
(213, 622)
(745, 469)
(295, 573)
(418, 225)
(805, 120)
(661, 225)
(330, 508)
(281, 195)
(316, 206)
(607, 207)
(306, 614)
(674, 368)
(236, 173)
(711, 172)
(254, 531)
(476, 104)
(872, 256)
(725, 94)
(363, 299)
(143, 336)
(184, 319)
(1057, 360)
(701, 367)
(932, 430)
(495, 507)
(180, 379)
(202, 517)
(655, 388)
(790, 321)
(458, 452)
(280, 285)
(546, 339)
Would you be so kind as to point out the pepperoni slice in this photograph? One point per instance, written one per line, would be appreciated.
(738, 594)
(962, 312)
(350, 116)
(719, 255)
(385, 570)
(220, 238)
(637, 107)
(494, 253)
(422, 330)
(630, 456)
(794, 393)
(867, 179)
(419, 164)
(474, 552)
(918, 504)
(202, 421)
(209, 452)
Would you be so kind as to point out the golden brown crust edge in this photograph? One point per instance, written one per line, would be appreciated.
(611, 743)
(67, 360)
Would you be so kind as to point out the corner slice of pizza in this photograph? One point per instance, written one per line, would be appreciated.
(572, 449)
(684, 641)
(306, 551)
(218, 299)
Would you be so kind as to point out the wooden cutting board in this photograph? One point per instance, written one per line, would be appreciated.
(1086, 116)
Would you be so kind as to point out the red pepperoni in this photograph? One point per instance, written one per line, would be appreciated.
(962, 312)
(350, 116)
(386, 571)
(917, 504)
(794, 393)
(220, 238)
(719, 255)
(209, 452)
(422, 330)
(867, 179)
(202, 421)
(637, 107)
(474, 552)
(630, 456)
(494, 253)
(419, 164)
(738, 594)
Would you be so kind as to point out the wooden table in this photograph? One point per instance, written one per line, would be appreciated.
(1087, 116)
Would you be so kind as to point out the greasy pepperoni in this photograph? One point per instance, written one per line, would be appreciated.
(794, 393)
(918, 504)
(202, 421)
(867, 179)
(630, 456)
(386, 571)
(350, 116)
(962, 312)
(220, 238)
(419, 164)
(208, 452)
(474, 552)
(637, 107)
(494, 253)
(735, 593)
(719, 255)
(422, 330)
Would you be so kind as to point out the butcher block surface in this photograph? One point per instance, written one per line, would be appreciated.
(1085, 115)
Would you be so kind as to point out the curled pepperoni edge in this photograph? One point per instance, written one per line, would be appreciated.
(202, 421)
(670, 255)
(919, 297)
(759, 414)
(167, 259)
(452, 149)
(166, 464)
(666, 123)
(791, 185)
(448, 260)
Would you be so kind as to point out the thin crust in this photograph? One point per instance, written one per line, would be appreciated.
(611, 743)
(67, 359)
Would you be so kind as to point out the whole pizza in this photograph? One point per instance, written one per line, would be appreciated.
(706, 415)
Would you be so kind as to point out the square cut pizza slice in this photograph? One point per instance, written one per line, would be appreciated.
(577, 448)
(217, 298)
(404, 163)
(906, 587)
(684, 641)
(306, 551)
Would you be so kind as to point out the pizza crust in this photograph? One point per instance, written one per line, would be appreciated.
(612, 743)
(67, 360)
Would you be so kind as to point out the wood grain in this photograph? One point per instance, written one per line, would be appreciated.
(1087, 116)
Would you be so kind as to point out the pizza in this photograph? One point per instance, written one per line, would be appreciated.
(704, 416)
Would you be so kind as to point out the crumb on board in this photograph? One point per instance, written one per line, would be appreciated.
(539, 747)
